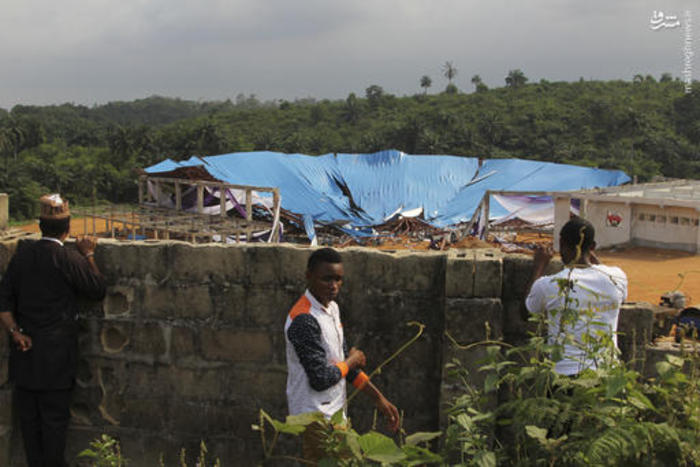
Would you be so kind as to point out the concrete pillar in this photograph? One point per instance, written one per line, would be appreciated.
(562, 209)
(4, 210)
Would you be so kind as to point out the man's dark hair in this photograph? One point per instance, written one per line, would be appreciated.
(573, 230)
(324, 255)
(54, 227)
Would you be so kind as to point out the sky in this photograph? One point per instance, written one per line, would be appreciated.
(96, 51)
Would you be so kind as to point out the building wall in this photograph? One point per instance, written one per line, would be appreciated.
(188, 345)
(612, 222)
(675, 227)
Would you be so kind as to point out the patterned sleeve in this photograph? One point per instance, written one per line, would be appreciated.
(305, 335)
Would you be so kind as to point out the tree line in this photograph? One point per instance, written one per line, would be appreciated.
(646, 127)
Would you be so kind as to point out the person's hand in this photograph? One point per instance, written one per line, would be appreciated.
(23, 341)
(390, 412)
(356, 358)
(86, 245)
(543, 255)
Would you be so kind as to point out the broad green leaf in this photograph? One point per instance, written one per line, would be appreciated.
(352, 439)
(417, 455)
(305, 418)
(289, 428)
(491, 382)
(87, 453)
(338, 418)
(535, 432)
(464, 421)
(675, 360)
(640, 401)
(615, 385)
(380, 448)
(485, 459)
(422, 437)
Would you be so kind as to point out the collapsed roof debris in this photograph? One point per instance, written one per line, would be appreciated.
(367, 197)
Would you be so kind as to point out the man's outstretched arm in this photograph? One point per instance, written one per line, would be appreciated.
(387, 409)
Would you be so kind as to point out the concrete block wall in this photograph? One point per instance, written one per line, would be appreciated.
(188, 343)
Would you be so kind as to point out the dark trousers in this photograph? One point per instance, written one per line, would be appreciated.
(43, 417)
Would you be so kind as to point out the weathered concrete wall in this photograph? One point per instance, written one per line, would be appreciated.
(4, 210)
(188, 344)
(670, 227)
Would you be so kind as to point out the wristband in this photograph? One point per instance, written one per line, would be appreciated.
(92, 253)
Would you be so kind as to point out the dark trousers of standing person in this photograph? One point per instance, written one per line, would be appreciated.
(44, 417)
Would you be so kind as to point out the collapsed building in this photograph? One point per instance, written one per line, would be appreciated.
(351, 198)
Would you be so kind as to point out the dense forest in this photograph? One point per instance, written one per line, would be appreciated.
(646, 127)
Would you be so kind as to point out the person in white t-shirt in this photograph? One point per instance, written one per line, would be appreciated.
(584, 298)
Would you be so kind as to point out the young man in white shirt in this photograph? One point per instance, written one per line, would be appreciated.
(583, 298)
(318, 363)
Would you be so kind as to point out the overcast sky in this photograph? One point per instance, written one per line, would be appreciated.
(96, 51)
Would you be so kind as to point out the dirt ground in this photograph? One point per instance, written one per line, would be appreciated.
(651, 272)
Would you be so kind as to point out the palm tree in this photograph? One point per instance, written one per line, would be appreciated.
(425, 83)
(449, 71)
(516, 79)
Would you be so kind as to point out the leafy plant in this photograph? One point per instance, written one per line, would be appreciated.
(527, 414)
(104, 452)
(340, 444)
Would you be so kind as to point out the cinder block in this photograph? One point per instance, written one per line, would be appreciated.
(229, 303)
(468, 322)
(186, 301)
(634, 327)
(459, 275)
(381, 271)
(119, 261)
(515, 326)
(488, 273)
(263, 265)
(465, 319)
(292, 261)
(267, 306)
(517, 271)
(181, 342)
(197, 264)
(423, 272)
(198, 384)
(236, 345)
(118, 301)
(114, 337)
(147, 339)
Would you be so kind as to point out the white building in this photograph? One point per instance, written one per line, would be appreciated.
(662, 215)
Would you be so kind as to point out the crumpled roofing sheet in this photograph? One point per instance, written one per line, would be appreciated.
(363, 189)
